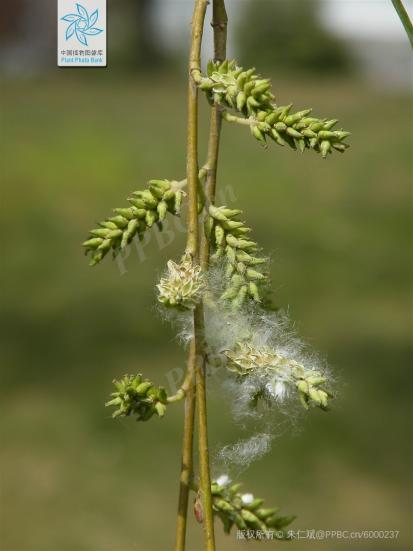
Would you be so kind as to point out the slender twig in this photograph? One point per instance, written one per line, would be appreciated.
(239, 120)
(197, 356)
(204, 471)
(187, 453)
(404, 18)
(184, 388)
(192, 249)
(183, 183)
(192, 128)
(219, 24)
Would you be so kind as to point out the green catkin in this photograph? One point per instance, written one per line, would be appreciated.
(245, 92)
(148, 207)
(137, 397)
(243, 275)
(246, 512)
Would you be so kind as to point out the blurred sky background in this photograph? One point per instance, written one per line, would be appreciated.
(74, 144)
(370, 28)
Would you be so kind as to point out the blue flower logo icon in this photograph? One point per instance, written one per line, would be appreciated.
(81, 24)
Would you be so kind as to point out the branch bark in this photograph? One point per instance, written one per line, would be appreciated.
(187, 452)
(193, 249)
(192, 127)
(197, 358)
(219, 24)
(204, 471)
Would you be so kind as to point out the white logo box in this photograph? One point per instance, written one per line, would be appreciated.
(81, 33)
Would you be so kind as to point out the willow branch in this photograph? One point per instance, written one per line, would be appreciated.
(187, 453)
(219, 24)
(192, 249)
(192, 126)
(204, 470)
(404, 18)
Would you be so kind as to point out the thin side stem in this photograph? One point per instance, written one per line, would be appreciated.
(184, 388)
(219, 24)
(187, 391)
(239, 120)
(192, 126)
(404, 18)
(187, 453)
(204, 471)
(182, 183)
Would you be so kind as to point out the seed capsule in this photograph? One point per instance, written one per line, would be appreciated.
(325, 147)
(100, 232)
(151, 217)
(119, 221)
(93, 243)
(219, 235)
(162, 209)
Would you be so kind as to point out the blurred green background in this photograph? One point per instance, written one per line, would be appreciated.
(74, 144)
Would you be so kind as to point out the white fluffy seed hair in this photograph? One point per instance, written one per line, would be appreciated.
(263, 329)
(244, 452)
(183, 320)
(224, 328)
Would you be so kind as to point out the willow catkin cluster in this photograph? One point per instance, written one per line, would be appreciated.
(230, 85)
(183, 285)
(229, 238)
(246, 92)
(138, 397)
(278, 373)
(245, 511)
(148, 207)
